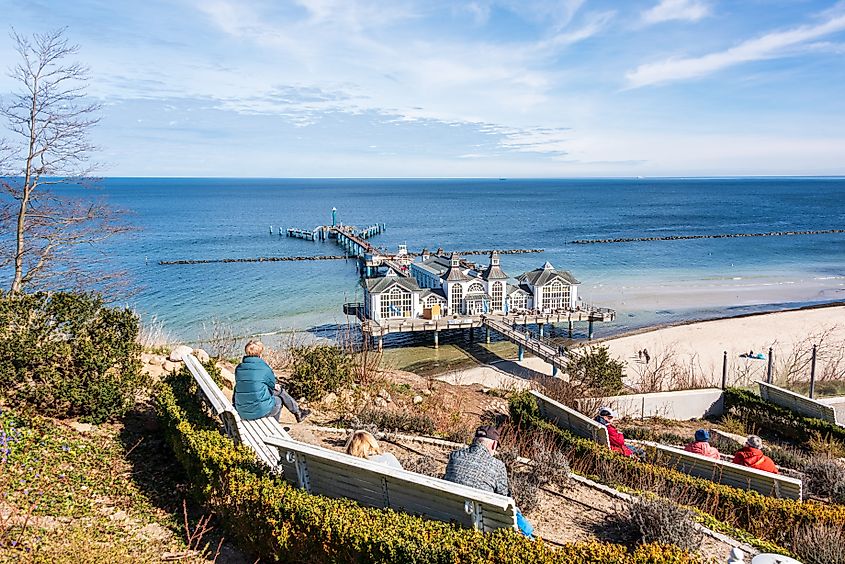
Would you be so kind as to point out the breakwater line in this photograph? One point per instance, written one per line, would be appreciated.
(715, 236)
(327, 257)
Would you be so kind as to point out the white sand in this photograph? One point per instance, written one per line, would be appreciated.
(696, 350)
(699, 347)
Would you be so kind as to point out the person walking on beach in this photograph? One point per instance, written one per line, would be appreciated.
(257, 394)
(477, 467)
(752, 456)
(645, 355)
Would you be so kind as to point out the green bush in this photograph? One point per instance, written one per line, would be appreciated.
(772, 419)
(279, 522)
(68, 355)
(768, 518)
(319, 369)
(594, 369)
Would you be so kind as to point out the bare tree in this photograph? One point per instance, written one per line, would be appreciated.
(46, 233)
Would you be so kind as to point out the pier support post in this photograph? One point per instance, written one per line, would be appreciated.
(813, 374)
(487, 335)
(540, 330)
(380, 343)
(769, 368)
(554, 371)
(471, 334)
(570, 328)
(590, 331)
(520, 353)
(437, 339)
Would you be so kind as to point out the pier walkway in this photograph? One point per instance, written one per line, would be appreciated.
(527, 342)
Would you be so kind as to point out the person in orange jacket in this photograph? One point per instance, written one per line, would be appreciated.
(750, 455)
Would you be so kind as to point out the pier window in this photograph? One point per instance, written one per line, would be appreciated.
(475, 288)
(396, 303)
(457, 299)
(555, 296)
(497, 296)
(517, 301)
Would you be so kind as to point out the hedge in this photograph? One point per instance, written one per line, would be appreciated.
(776, 419)
(279, 522)
(768, 518)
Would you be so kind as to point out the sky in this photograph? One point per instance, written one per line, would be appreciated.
(431, 88)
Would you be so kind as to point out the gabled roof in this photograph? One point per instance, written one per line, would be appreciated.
(455, 273)
(493, 270)
(436, 292)
(383, 283)
(542, 276)
(518, 290)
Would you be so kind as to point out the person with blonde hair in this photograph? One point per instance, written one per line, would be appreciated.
(364, 445)
(257, 394)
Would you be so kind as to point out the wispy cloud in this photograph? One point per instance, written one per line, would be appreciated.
(667, 10)
(771, 45)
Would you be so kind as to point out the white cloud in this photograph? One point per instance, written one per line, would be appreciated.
(666, 10)
(771, 45)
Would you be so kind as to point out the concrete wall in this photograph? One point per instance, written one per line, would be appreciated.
(838, 405)
(680, 406)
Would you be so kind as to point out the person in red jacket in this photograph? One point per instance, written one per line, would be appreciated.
(606, 417)
(750, 455)
(702, 445)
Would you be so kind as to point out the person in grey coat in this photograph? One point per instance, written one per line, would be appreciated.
(476, 467)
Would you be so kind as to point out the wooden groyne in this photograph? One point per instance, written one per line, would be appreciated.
(325, 257)
(716, 236)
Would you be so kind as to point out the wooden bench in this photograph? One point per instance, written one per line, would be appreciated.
(333, 474)
(796, 402)
(251, 433)
(721, 472)
(571, 420)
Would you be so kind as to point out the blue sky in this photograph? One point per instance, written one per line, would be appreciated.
(510, 88)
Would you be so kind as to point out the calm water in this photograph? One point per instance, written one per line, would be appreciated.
(646, 282)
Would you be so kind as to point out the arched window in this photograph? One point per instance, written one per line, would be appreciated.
(475, 288)
(497, 296)
(396, 303)
(555, 296)
(457, 299)
(431, 301)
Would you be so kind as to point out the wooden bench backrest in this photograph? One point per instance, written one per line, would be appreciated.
(326, 472)
(251, 433)
(722, 472)
(797, 403)
(571, 420)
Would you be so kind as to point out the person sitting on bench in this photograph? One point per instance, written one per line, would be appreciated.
(256, 392)
(750, 455)
(606, 417)
(702, 445)
(364, 445)
(477, 467)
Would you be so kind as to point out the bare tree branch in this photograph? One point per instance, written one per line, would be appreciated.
(47, 236)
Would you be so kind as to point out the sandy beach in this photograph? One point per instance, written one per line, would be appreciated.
(693, 353)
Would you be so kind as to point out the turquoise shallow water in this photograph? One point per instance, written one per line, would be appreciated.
(647, 282)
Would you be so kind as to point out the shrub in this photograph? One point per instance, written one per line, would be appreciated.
(777, 420)
(661, 520)
(766, 517)
(391, 420)
(820, 544)
(825, 477)
(594, 369)
(548, 466)
(317, 370)
(422, 464)
(68, 355)
(826, 445)
(278, 522)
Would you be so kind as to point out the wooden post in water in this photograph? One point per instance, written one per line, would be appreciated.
(813, 374)
(725, 370)
(570, 327)
(769, 368)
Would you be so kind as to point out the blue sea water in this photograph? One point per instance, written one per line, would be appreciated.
(647, 282)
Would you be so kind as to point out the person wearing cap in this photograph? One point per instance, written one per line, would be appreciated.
(606, 417)
(750, 455)
(702, 445)
(477, 467)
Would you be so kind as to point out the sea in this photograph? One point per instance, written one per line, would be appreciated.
(648, 282)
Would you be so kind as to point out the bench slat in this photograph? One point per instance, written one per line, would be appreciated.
(571, 420)
(797, 403)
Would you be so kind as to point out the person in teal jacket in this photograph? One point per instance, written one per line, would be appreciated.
(256, 393)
